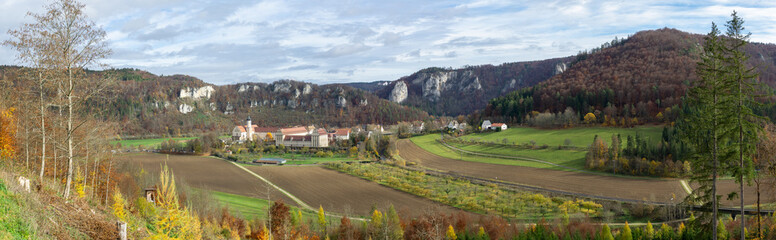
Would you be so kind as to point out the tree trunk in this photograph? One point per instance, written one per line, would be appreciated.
(714, 171)
(741, 151)
(42, 129)
(69, 133)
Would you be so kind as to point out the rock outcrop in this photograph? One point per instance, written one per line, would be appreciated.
(185, 108)
(197, 93)
(399, 92)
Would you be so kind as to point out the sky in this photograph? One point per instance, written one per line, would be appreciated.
(324, 41)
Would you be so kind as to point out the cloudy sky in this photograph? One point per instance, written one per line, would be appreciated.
(323, 41)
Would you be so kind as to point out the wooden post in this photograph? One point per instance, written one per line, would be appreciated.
(121, 227)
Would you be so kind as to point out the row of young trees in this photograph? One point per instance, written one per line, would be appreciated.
(57, 47)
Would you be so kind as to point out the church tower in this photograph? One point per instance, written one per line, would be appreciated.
(249, 128)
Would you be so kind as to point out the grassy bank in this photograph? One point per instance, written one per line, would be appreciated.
(571, 158)
(148, 143)
(579, 137)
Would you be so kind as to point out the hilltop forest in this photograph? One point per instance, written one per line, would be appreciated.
(629, 81)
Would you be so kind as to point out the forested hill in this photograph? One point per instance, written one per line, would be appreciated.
(441, 91)
(643, 77)
(142, 103)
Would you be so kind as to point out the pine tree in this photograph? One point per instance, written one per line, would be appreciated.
(606, 233)
(705, 128)
(626, 233)
(741, 77)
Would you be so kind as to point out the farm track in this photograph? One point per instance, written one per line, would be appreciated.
(342, 193)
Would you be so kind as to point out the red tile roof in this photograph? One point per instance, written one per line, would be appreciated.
(342, 132)
(293, 130)
(497, 125)
(265, 129)
(241, 128)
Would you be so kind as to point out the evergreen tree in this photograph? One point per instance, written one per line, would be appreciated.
(740, 75)
(704, 129)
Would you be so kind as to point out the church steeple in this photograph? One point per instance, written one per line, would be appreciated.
(249, 128)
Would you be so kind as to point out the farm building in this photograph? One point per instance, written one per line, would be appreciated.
(496, 126)
(485, 125)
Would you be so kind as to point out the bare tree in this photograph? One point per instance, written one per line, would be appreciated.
(73, 42)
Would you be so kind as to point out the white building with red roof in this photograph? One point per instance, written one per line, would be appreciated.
(298, 136)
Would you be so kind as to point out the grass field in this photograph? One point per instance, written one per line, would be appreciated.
(580, 137)
(149, 143)
(252, 208)
(570, 158)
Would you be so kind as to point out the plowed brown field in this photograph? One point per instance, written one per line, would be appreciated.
(314, 185)
(206, 173)
(342, 193)
(660, 190)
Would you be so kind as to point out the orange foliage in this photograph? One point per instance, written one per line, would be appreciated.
(7, 133)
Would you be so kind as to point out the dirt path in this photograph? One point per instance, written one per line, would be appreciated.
(342, 193)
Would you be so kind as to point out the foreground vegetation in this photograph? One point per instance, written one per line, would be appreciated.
(462, 194)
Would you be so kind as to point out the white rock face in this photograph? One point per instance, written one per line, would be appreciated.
(281, 87)
(342, 102)
(297, 93)
(435, 84)
(243, 88)
(229, 109)
(185, 108)
(399, 92)
(560, 68)
(363, 102)
(197, 93)
(212, 106)
(307, 89)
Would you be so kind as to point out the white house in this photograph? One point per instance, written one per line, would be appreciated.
(485, 125)
(453, 124)
(342, 134)
(502, 126)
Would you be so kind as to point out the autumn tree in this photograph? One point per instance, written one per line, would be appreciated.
(65, 41)
(7, 133)
(590, 118)
(173, 221)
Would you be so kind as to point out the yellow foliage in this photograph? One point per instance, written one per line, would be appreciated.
(7, 133)
(589, 118)
(450, 234)
(79, 183)
(119, 205)
(174, 222)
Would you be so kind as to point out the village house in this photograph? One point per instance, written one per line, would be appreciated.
(341, 134)
(497, 126)
(485, 125)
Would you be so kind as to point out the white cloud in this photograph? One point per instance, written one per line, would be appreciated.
(331, 40)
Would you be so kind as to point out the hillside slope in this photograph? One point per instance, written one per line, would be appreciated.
(639, 77)
(439, 91)
(141, 103)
